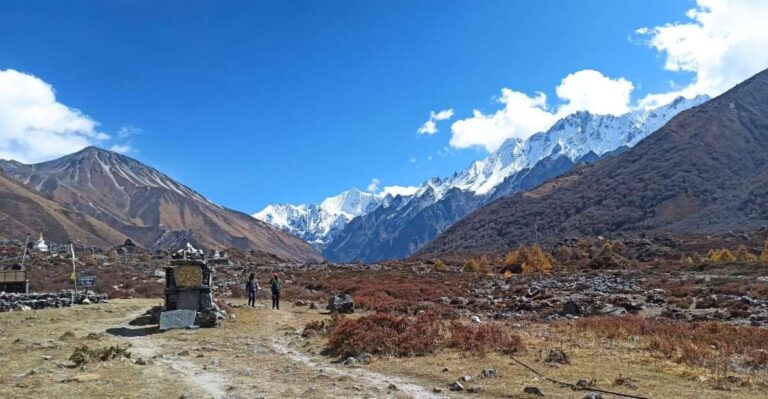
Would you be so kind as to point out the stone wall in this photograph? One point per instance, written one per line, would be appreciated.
(22, 302)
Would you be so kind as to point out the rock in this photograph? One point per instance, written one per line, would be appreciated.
(571, 308)
(475, 319)
(184, 353)
(231, 316)
(248, 372)
(593, 395)
(747, 300)
(392, 387)
(365, 358)
(446, 369)
(312, 305)
(490, 373)
(466, 378)
(457, 386)
(473, 390)
(531, 390)
(21, 308)
(85, 301)
(341, 304)
(584, 384)
(140, 361)
(177, 319)
(437, 390)
(557, 356)
(300, 303)
(350, 361)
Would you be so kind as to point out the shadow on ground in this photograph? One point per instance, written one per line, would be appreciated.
(132, 332)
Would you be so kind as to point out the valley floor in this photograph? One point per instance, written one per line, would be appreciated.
(261, 353)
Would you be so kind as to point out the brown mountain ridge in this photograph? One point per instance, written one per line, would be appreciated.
(148, 206)
(706, 171)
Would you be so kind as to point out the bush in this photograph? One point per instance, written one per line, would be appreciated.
(149, 289)
(743, 254)
(83, 354)
(720, 255)
(528, 260)
(440, 266)
(764, 255)
(480, 265)
(479, 339)
(386, 334)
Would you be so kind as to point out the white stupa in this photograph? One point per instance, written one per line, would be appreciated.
(41, 245)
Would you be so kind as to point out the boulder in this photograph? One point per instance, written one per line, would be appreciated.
(341, 304)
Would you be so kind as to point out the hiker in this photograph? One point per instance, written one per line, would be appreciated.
(277, 286)
(252, 287)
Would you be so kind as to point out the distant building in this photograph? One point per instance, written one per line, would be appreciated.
(40, 244)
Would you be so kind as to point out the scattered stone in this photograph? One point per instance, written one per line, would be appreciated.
(184, 353)
(531, 390)
(232, 316)
(473, 390)
(47, 357)
(593, 395)
(584, 384)
(490, 373)
(392, 387)
(341, 304)
(350, 361)
(475, 319)
(300, 303)
(141, 362)
(85, 301)
(437, 390)
(312, 305)
(446, 369)
(466, 378)
(457, 386)
(557, 356)
(248, 372)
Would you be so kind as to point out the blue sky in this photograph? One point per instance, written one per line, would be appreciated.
(259, 102)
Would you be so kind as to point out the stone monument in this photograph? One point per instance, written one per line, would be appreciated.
(188, 287)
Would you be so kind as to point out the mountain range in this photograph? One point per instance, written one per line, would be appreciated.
(134, 201)
(398, 226)
(706, 171)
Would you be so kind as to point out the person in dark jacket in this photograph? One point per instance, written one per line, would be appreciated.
(252, 288)
(277, 285)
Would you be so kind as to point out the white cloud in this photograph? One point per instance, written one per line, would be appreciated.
(430, 126)
(399, 190)
(524, 115)
(412, 160)
(121, 148)
(723, 43)
(128, 130)
(34, 126)
(373, 186)
(578, 91)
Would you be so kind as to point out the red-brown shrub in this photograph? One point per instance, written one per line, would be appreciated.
(385, 334)
(482, 338)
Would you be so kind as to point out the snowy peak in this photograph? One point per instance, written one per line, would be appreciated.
(318, 223)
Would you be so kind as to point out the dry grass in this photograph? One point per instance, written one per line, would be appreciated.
(386, 334)
(708, 344)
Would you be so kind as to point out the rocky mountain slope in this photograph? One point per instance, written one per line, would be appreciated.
(25, 211)
(400, 228)
(704, 171)
(148, 206)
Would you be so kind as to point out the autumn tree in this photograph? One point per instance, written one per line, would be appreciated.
(528, 260)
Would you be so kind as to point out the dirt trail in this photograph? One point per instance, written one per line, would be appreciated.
(260, 354)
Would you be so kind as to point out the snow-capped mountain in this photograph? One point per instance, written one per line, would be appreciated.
(402, 228)
(318, 223)
(574, 136)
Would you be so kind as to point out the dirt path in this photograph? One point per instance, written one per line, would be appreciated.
(259, 354)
